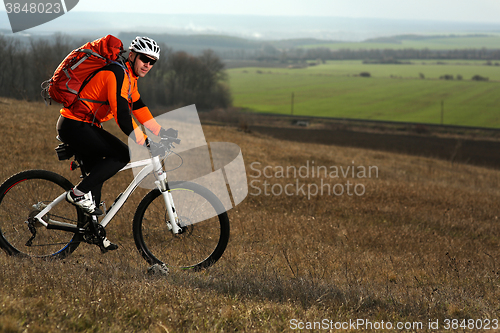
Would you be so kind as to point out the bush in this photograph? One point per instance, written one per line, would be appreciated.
(479, 78)
(446, 77)
(365, 74)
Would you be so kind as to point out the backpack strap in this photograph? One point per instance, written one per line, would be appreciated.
(88, 53)
(93, 101)
(87, 80)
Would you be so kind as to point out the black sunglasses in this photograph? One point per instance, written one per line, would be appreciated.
(145, 59)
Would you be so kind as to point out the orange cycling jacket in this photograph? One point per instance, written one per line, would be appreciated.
(112, 93)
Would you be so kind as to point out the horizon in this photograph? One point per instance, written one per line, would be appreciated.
(252, 26)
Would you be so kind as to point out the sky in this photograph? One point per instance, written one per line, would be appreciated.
(278, 19)
(440, 10)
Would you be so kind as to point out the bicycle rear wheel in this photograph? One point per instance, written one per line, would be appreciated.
(22, 196)
(199, 245)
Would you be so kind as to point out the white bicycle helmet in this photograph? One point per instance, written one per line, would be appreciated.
(145, 45)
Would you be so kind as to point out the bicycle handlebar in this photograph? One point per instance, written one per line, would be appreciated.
(165, 147)
(168, 140)
(175, 140)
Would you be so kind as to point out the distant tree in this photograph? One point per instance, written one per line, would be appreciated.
(446, 77)
(479, 78)
(12, 53)
(187, 79)
(30, 64)
(269, 50)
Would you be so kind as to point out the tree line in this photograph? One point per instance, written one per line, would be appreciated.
(177, 79)
(181, 79)
(271, 53)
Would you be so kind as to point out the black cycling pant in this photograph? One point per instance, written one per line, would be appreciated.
(102, 153)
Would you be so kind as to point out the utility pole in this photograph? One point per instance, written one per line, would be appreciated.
(442, 112)
(292, 104)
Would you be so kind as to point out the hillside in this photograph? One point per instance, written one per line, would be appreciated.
(231, 47)
(416, 241)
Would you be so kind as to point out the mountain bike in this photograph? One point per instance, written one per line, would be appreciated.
(37, 221)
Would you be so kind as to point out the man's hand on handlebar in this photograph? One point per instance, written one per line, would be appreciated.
(169, 135)
(157, 149)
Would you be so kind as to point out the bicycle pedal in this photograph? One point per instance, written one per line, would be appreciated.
(105, 245)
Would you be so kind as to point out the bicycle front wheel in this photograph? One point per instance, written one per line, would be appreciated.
(23, 196)
(202, 241)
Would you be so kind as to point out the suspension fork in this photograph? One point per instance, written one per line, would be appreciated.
(162, 184)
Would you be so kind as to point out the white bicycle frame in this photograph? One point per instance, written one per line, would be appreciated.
(150, 165)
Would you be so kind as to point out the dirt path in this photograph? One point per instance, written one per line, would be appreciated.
(475, 152)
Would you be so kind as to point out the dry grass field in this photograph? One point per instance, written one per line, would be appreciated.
(420, 244)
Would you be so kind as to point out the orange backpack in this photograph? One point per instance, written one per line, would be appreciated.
(77, 69)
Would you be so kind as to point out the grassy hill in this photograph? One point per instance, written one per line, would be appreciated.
(220, 43)
(421, 243)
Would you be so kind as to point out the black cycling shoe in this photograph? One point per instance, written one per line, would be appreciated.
(105, 245)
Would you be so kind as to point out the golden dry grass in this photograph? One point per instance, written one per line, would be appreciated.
(421, 244)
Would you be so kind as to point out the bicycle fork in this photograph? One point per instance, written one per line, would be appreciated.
(161, 183)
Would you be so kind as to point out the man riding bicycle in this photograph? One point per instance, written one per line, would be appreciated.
(111, 93)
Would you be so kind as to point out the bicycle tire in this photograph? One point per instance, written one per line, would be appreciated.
(18, 197)
(202, 243)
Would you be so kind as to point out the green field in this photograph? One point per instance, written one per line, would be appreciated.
(393, 92)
